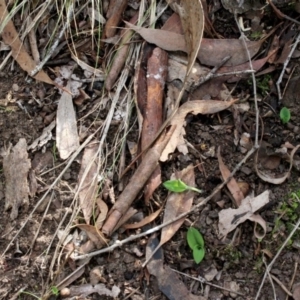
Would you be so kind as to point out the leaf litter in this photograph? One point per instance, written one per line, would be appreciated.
(167, 144)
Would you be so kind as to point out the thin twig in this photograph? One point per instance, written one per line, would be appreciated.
(282, 285)
(256, 145)
(152, 230)
(203, 280)
(275, 258)
(284, 68)
(270, 278)
(53, 47)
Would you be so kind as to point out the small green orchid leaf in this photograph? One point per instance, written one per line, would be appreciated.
(195, 239)
(285, 115)
(176, 186)
(198, 255)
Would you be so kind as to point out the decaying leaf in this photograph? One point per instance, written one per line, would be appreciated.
(67, 138)
(16, 166)
(87, 181)
(232, 184)
(230, 218)
(194, 107)
(167, 280)
(102, 206)
(10, 37)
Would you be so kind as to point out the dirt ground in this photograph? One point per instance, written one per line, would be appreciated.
(237, 262)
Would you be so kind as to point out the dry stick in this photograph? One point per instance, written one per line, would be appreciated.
(54, 46)
(51, 187)
(292, 280)
(253, 82)
(275, 257)
(282, 15)
(270, 278)
(284, 68)
(152, 230)
(281, 285)
(203, 280)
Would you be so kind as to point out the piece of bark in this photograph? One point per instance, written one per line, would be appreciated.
(137, 182)
(16, 165)
(157, 70)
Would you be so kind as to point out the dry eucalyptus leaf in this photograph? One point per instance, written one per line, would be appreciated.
(87, 181)
(194, 107)
(67, 138)
(192, 20)
(16, 166)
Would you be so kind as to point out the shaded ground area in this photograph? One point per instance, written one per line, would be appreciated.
(236, 262)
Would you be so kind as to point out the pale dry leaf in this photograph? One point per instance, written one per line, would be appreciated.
(232, 184)
(194, 107)
(230, 218)
(16, 166)
(87, 181)
(103, 213)
(67, 138)
(192, 20)
(212, 51)
(271, 179)
(94, 235)
(10, 37)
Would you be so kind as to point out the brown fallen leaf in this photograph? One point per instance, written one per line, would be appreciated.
(230, 218)
(10, 37)
(167, 280)
(212, 51)
(87, 181)
(145, 221)
(137, 182)
(232, 184)
(177, 203)
(102, 206)
(94, 235)
(192, 20)
(67, 139)
(16, 166)
(194, 107)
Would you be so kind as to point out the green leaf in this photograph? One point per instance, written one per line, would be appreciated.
(176, 186)
(285, 115)
(198, 255)
(195, 239)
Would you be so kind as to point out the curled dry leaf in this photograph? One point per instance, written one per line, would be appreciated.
(269, 178)
(194, 107)
(10, 37)
(94, 235)
(230, 218)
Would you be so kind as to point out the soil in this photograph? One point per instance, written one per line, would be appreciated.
(238, 261)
